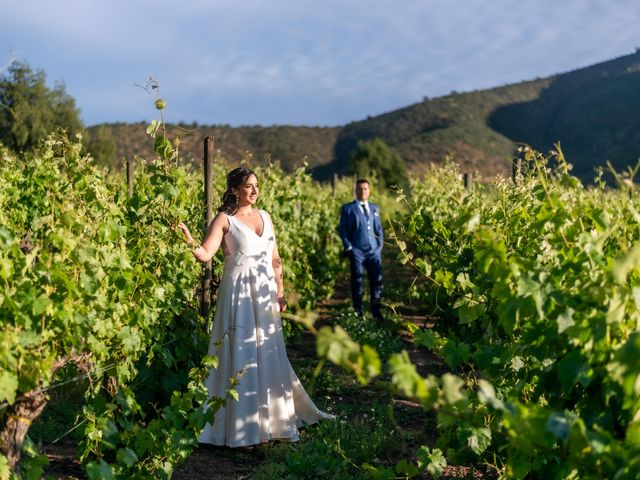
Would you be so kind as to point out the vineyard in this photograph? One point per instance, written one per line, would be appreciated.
(523, 296)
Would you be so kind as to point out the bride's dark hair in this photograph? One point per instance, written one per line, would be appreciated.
(235, 179)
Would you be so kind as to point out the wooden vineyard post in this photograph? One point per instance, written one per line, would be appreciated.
(208, 193)
(516, 169)
(468, 181)
(130, 175)
(328, 239)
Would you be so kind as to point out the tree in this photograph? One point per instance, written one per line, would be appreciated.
(29, 110)
(101, 145)
(374, 157)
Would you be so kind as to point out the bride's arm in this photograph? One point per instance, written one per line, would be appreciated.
(212, 240)
(277, 268)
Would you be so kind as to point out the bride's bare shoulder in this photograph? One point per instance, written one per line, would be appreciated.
(221, 220)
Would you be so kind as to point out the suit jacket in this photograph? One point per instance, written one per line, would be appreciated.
(353, 227)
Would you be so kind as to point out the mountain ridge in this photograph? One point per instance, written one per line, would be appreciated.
(589, 110)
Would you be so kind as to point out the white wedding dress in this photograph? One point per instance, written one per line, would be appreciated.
(247, 337)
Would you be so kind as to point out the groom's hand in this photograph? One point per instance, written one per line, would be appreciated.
(347, 253)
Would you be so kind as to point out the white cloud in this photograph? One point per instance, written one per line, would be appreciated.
(291, 61)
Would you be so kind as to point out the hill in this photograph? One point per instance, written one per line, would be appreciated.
(289, 145)
(591, 111)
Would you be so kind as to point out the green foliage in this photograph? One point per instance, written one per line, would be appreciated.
(86, 281)
(29, 110)
(536, 286)
(331, 449)
(94, 277)
(430, 461)
(336, 345)
(374, 158)
(365, 437)
(384, 339)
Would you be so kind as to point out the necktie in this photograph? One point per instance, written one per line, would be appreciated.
(365, 209)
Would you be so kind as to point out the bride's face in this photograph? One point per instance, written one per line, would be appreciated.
(248, 193)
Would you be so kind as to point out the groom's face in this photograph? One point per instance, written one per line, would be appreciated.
(363, 191)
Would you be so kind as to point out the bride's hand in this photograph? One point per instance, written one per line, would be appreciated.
(281, 302)
(186, 232)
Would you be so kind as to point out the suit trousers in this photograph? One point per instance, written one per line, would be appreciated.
(370, 261)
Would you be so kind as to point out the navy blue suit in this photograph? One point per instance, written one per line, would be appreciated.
(362, 238)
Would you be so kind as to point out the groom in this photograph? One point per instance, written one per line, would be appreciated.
(361, 233)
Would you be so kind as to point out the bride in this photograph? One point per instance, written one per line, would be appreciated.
(247, 330)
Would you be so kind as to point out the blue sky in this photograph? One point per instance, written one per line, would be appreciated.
(300, 62)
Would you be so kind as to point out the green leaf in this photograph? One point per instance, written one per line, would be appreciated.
(445, 278)
(163, 148)
(571, 369)
(210, 361)
(518, 466)
(233, 393)
(406, 378)
(127, 456)
(407, 469)
(490, 251)
(472, 223)
(152, 128)
(565, 320)
(528, 287)
(8, 386)
(433, 461)
(423, 266)
(370, 363)
(100, 471)
(455, 353)
(169, 191)
(5, 469)
(6, 240)
(427, 338)
(487, 395)
(626, 263)
(633, 434)
(469, 311)
(6, 268)
(452, 388)
(378, 473)
(39, 305)
(437, 463)
(479, 439)
(616, 310)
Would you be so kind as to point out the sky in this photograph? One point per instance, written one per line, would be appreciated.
(301, 62)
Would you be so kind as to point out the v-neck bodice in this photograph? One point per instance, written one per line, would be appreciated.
(244, 248)
(248, 227)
